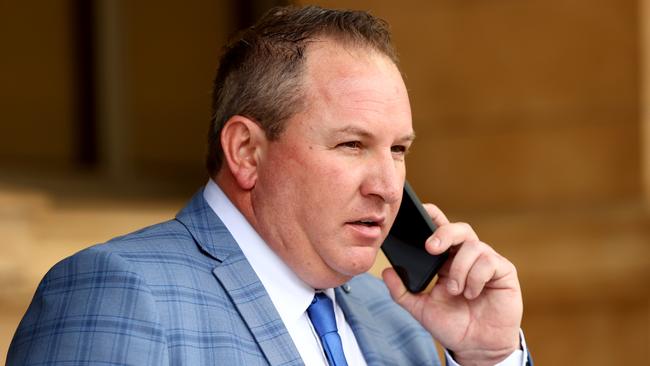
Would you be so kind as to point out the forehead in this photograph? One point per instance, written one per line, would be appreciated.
(357, 85)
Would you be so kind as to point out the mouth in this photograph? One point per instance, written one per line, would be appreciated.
(368, 223)
(369, 228)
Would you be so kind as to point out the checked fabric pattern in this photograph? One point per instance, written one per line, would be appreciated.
(182, 293)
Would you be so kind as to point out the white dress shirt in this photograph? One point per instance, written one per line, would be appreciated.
(289, 294)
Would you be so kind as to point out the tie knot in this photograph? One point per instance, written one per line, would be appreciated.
(321, 313)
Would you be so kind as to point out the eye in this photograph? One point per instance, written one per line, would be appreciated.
(350, 145)
(399, 149)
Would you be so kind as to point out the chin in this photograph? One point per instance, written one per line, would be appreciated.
(339, 275)
(361, 263)
(340, 269)
(327, 280)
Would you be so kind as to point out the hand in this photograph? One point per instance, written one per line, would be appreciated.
(475, 307)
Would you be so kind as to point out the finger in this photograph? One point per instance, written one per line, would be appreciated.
(483, 270)
(461, 264)
(397, 290)
(443, 272)
(436, 214)
(449, 235)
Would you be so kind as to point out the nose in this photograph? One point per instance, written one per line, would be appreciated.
(384, 178)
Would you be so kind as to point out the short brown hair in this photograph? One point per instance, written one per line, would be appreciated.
(260, 71)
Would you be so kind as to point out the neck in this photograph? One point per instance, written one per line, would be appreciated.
(239, 197)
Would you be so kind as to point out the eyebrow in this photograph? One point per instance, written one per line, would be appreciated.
(365, 133)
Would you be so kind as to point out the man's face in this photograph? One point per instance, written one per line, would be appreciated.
(329, 188)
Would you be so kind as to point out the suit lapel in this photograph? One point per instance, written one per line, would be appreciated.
(208, 231)
(240, 282)
(255, 306)
(373, 343)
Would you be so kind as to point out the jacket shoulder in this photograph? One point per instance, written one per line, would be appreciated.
(93, 297)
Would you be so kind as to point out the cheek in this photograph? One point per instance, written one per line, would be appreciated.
(334, 172)
(317, 173)
(292, 182)
(310, 184)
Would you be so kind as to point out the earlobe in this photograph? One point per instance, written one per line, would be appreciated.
(242, 140)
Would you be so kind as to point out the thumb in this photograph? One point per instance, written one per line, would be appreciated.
(397, 290)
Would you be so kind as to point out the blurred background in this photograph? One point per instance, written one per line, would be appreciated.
(532, 121)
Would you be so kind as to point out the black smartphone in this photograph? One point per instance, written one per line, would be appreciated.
(404, 245)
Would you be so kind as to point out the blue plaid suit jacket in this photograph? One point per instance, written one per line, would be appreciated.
(182, 293)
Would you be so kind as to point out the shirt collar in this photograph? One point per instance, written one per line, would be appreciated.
(290, 295)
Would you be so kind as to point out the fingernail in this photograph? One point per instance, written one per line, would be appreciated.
(452, 287)
(434, 243)
(468, 294)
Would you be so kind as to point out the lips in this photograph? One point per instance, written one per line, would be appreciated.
(365, 223)
(368, 228)
(369, 221)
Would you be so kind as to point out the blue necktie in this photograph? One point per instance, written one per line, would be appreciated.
(321, 313)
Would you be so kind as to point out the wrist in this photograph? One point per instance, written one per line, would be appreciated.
(480, 357)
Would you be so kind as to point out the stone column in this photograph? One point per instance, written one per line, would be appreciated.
(644, 103)
(112, 94)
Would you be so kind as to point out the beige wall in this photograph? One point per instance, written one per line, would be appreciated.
(519, 104)
(529, 117)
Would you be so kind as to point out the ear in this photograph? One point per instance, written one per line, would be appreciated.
(243, 141)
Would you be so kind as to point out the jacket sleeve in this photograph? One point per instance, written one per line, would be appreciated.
(91, 308)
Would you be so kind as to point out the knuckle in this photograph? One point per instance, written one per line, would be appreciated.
(487, 249)
(486, 260)
(466, 227)
(489, 256)
(475, 277)
(473, 245)
(444, 231)
(510, 266)
(466, 230)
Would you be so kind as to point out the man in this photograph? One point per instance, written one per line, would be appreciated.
(306, 155)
